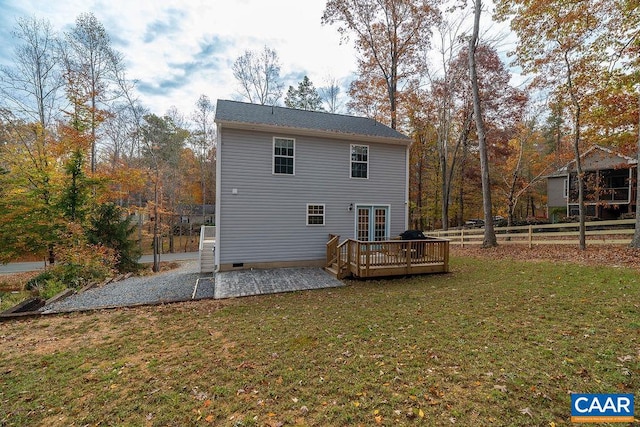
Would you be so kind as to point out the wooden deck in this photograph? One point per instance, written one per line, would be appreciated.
(386, 258)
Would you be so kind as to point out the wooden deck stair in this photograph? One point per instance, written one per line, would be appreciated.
(207, 249)
(207, 258)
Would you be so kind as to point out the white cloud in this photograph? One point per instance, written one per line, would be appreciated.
(178, 50)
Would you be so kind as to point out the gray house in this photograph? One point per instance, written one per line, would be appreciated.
(610, 190)
(287, 179)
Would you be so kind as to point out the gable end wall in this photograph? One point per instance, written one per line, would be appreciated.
(263, 216)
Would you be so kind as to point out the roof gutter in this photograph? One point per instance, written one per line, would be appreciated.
(259, 127)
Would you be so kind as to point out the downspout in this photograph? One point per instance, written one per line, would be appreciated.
(406, 188)
(216, 247)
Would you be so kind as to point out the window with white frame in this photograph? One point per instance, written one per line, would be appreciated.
(359, 161)
(565, 190)
(283, 156)
(315, 214)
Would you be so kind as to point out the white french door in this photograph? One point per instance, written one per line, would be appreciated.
(372, 223)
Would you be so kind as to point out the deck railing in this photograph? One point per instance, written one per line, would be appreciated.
(332, 249)
(207, 232)
(387, 258)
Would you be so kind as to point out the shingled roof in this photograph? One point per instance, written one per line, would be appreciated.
(243, 115)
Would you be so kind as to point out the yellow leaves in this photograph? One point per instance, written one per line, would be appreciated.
(416, 412)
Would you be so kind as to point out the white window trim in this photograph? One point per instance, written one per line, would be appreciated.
(351, 161)
(323, 215)
(565, 190)
(273, 156)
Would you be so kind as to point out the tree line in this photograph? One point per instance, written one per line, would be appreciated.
(82, 160)
(80, 153)
(482, 146)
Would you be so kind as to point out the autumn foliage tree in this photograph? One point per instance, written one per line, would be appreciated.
(573, 49)
(73, 163)
(392, 36)
(90, 67)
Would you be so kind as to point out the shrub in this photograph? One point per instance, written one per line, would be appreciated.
(51, 288)
(112, 229)
(39, 280)
(76, 267)
(84, 264)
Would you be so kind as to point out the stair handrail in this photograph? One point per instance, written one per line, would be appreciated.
(332, 246)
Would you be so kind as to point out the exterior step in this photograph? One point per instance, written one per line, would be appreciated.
(207, 259)
(332, 270)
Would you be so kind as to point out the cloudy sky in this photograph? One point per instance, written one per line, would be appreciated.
(177, 50)
(180, 49)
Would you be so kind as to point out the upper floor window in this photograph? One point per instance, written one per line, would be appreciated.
(359, 161)
(283, 156)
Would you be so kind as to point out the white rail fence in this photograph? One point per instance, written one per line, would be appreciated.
(617, 232)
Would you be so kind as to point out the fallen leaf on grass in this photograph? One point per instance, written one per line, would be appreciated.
(416, 412)
(526, 411)
(502, 388)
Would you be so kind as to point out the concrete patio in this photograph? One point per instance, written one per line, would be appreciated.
(230, 284)
(186, 284)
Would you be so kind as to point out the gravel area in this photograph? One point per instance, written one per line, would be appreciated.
(171, 286)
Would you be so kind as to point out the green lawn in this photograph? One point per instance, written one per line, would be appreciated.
(491, 343)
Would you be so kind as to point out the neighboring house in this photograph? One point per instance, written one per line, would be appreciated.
(197, 214)
(287, 179)
(610, 189)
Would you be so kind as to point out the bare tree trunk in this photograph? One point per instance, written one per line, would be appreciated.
(635, 242)
(489, 239)
(419, 221)
(445, 190)
(463, 164)
(156, 225)
(512, 199)
(576, 150)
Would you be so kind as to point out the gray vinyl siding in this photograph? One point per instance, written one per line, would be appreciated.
(265, 221)
(555, 191)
